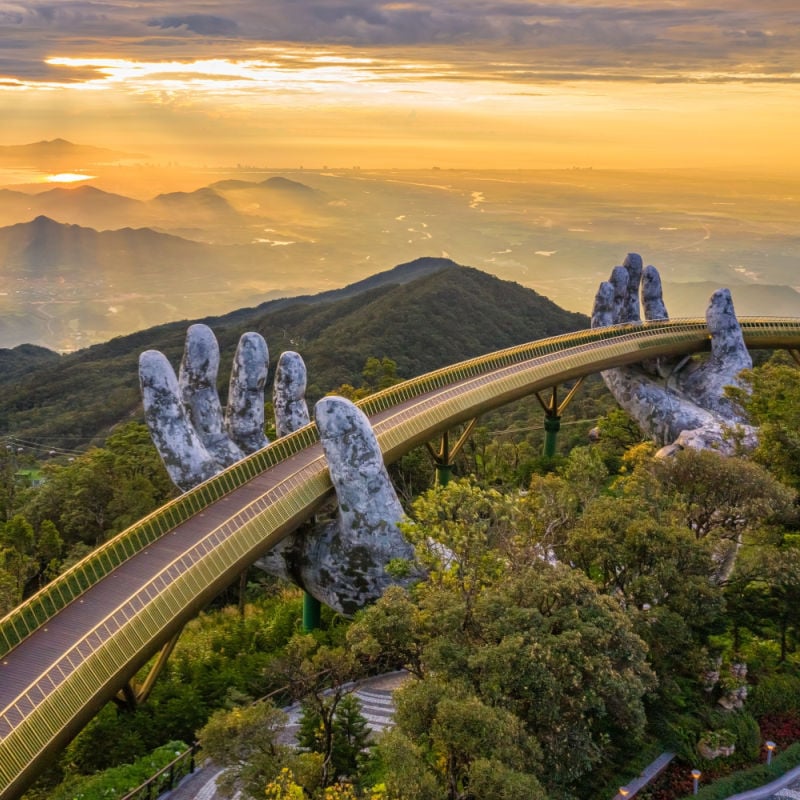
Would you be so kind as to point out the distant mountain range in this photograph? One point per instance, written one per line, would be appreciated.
(63, 285)
(206, 214)
(81, 265)
(423, 315)
(45, 152)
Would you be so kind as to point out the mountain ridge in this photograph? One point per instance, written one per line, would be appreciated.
(52, 149)
(423, 314)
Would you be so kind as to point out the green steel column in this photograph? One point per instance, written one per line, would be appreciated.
(311, 613)
(444, 457)
(552, 425)
(443, 473)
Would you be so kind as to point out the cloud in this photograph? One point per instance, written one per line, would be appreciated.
(202, 24)
(693, 40)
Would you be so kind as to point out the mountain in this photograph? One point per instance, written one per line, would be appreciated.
(423, 315)
(64, 285)
(277, 199)
(281, 184)
(397, 276)
(90, 207)
(226, 211)
(81, 205)
(22, 360)
(54, 150)
(194, 206)
(276, 183)
(44, 248)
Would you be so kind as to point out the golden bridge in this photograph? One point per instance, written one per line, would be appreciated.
(80, 641)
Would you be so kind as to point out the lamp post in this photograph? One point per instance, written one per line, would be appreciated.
(770, 745)
(695, 780)
(624, 791)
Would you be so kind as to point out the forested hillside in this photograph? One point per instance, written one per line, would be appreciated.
(422, 315)
(605, 605)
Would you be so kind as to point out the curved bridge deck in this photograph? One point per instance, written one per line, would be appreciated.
(67, 650)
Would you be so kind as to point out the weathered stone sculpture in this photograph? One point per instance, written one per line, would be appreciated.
(342, 564)
(680, 403)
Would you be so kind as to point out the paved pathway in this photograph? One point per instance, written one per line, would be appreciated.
(375, 695)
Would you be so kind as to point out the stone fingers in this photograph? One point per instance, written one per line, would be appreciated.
(367, 536)
(289, 394)
(728, 351)
(244, 416)
(619, 282)
(630, 308)
(660, 413)
(603, 310)
(185, 457)
(728, 358)
(625, 282)
(197, 380)
(653, 295)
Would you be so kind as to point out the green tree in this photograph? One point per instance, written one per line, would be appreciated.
(641, 553)
(320, 675)
(771, 398)
(379, 373)
(533, 645)
(618, 432)
(764, 594)
(349, 739)
(245, 741)
(49, 551)
(721, 500)
(557, 499)
(104, 490)
(407, 774)
(719, 495)
(446, 736)
(8, 487)
(8, 589)
(17, 544)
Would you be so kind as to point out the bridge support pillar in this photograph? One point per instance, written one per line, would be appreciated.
(132, 694)
(553, 410)
(312, 609)
(552, 425)
(443, 457)
(795, 354)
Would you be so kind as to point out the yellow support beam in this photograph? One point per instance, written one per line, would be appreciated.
(134, 694)
(552, 414)
(444, 456)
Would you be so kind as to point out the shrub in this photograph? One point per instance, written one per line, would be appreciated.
(775, 694)
(747, 733)
(118, 781)
(751, 778)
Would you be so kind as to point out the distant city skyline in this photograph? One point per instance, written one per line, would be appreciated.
(454, 83)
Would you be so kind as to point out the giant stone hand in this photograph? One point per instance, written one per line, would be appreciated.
(679, 403)
(343, 563)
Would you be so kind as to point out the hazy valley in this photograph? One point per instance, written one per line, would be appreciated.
(81, 265)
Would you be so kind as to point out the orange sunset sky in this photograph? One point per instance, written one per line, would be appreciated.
(448, 83)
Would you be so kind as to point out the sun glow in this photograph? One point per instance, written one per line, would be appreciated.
(68, 177)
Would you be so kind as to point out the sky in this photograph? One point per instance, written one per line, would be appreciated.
(502, 84)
